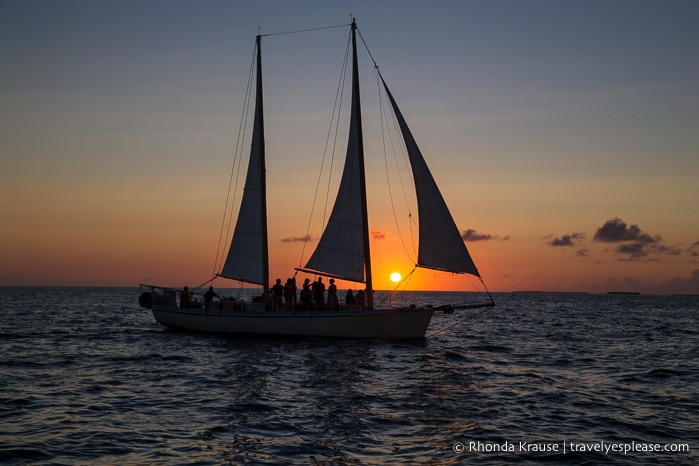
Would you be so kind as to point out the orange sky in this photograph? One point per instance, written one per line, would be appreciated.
(574, 161)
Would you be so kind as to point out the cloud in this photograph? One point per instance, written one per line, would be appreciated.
(616, 231)
(636, 243)
(296, 239)
(375, 234)
(679, 285)
(675, 250)
(691, 250)
(472, 235)
(634, 250)
(566, 240)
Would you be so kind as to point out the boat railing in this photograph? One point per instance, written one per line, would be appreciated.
(164, 296)
(157, 295)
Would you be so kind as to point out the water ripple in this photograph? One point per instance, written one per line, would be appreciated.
(88, 377)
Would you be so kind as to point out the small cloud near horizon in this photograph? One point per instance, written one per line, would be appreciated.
(679, 285)
(472, 235)
(691, 250)
(567, 240)
(296, 239)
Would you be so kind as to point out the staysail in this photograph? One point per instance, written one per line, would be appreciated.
(343, 249)
(247, 258)
(441, 246)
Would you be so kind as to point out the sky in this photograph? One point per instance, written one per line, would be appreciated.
(563, 135)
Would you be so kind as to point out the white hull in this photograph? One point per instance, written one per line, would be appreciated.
(403, 323)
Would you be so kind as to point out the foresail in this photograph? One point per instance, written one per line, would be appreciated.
(441, 246)
(247, 256)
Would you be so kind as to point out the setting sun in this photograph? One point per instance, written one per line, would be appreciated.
(395, 277)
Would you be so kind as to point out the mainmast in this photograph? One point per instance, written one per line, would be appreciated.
(259, 113)
(356, 104)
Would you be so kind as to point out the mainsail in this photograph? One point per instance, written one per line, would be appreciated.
(247, 258)
(440, 244)
(343, 249)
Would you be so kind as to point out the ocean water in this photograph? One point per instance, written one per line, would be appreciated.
(88, 377)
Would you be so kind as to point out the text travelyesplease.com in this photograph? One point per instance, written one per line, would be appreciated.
(565, 447)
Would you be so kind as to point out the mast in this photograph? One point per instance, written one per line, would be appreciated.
(356, 103)
(263, 173)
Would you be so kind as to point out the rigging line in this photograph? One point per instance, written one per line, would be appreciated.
(390, 190)
(334, 120)
(384, 116)
(367, 49)
(460, 322)
(403, 283)
(299, 31)
(237, 160)
(381, 301)
(410, 274)
(397, 130)
(408, 167)
(406, 281)
(206, 282)
(486, 289)
(242, 127)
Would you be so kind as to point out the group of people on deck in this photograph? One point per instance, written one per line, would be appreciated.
(312, 295)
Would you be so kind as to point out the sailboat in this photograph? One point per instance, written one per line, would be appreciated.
(342, 252)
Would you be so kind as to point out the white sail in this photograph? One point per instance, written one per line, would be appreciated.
(441, 246)
(247, 255)
(341, 250)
